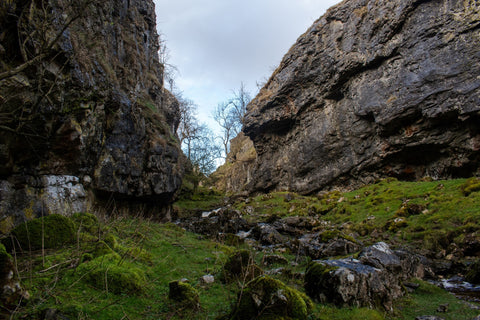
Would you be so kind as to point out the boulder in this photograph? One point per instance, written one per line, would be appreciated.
(266, 298)
(375, 279)
(348, 282)
(184, 294)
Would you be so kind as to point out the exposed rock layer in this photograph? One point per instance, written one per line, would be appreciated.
(372, 89)
(236, 173)
(90, 116)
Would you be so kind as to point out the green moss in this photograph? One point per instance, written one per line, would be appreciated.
(101, 249)
(315, 278)
(86, 222)
(111, 274)
(471, 185)
(328, 235)
(5, 259)
(111, 240)
(53, 230)
(240, 265)
(267, 298)
(184, 294)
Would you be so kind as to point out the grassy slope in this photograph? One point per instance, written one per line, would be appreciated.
(166, 253)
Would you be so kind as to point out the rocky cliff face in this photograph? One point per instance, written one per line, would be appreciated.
(236, 173)
(372, 89)
(84, 115)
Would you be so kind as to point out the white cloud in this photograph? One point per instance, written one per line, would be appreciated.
(217, 44)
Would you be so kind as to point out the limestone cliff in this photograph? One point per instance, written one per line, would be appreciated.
(84, 114)
(236, 173)
(374, 88)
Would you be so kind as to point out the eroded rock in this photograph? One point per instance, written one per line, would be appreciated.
(371, 91)
(372, 280)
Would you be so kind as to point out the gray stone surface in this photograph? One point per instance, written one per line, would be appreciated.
(372, 89)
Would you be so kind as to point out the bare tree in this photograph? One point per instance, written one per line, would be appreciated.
(197, 140)
(230, 116)
(226, 120)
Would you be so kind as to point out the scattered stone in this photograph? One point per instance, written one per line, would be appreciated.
(428, 318)
(273, 259)
(443, 308)
(411, 287)
(53, 314)
(207, 279)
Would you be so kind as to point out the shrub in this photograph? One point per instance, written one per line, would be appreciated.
(55, 230)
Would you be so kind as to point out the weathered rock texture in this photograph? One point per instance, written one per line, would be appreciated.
(372, 89)
(237, 171)
(83, 108)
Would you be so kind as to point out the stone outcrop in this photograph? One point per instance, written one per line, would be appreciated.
(372, 89)
(84, 114)
(373, 280)
(237, 171)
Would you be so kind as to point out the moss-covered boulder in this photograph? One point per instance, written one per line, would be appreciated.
(86, 222)
(184, 294)
(108, 272)
(240, 266)
(267, 298)
(52, 231)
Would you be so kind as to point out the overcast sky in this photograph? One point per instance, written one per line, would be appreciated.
(217, 44)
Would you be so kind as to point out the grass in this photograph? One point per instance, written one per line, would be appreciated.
(429, 210)
(156, 254)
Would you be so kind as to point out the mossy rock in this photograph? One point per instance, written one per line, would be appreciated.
(111, 274)
(315, 276)
(328, 235)
(240, 265)
(55, 230)
(267, 298)
(471, 185)
(473, 274)
(184, 294)
(86, 222)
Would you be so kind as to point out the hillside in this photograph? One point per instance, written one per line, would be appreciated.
(123, 267)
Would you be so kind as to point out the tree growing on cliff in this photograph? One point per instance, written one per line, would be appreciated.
(230, 115)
